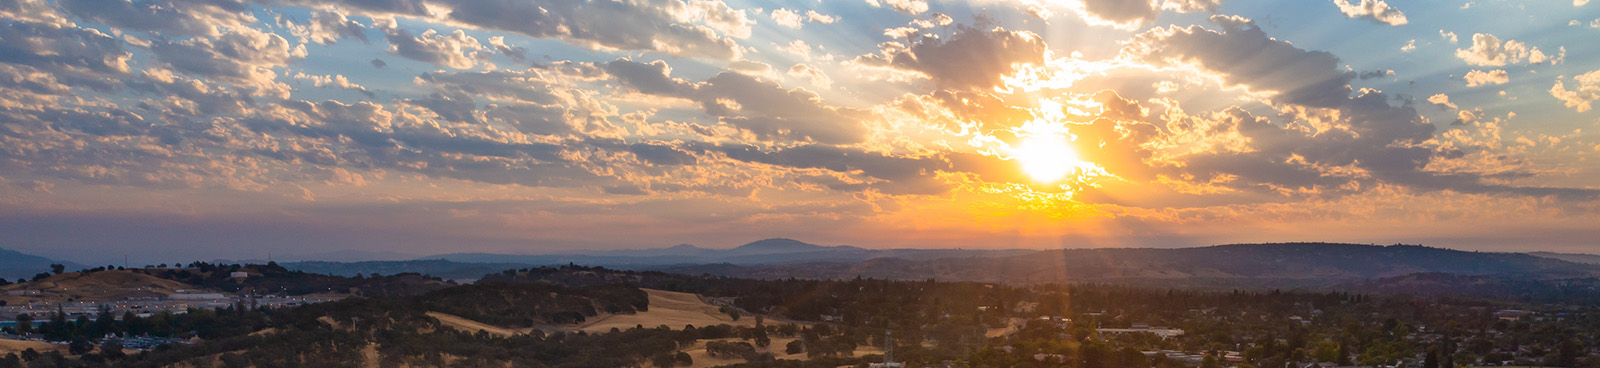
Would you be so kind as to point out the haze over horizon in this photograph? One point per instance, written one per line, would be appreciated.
(205, 129)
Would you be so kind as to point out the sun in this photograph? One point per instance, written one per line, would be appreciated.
(1047, 158)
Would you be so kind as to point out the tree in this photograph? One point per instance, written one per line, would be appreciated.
(111, 349)
(24, 323)
(794, 347)
(1210, 361)
(80, 346)
(57, 268)
(30, 354)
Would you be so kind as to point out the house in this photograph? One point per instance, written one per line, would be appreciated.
(239, 275)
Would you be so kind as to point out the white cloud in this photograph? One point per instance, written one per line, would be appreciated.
(1373, 10)
(798, 48)
(1410, 46)
(787, 18)
(1449, 36)
(811, 74)
(1442, 99)
(1487, 50)
(455, 50)
(1586, 89)
(1476, 78)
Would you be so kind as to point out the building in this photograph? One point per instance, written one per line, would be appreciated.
(207, 296)
(239, 275)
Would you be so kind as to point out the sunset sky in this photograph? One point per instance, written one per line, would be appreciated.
(215, 128)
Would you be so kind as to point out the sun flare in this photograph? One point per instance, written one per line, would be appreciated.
(1047, 158)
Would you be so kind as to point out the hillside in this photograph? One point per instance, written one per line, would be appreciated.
(17, 265)
(1238, 265)
(1570, 257)
(98, 286)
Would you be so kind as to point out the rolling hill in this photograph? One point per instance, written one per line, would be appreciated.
(1237, 265)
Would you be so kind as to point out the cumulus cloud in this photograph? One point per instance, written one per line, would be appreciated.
(326, 27)
(971, 58)
(1442, 100)
(811, 74)
(1132, 14)
(912, 7)
(795, 19)
(1299, 76)
(1476, 78)
(1449, 36)
(749, 103)
(75, 56)
(1487, 50)
(171, 17)
(454, 50)
(244, 57)
(1373, 10)
(665, 26)
(1585, 90)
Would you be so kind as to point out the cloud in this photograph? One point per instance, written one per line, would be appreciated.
(664, 26)
(811, 74)
(327, 27)
(1310, 78)
(1442, 100)
(794, 19)
(334, 81)
(1586, 89)
(912, 7)
(1476, 78)
(455, 50)
(169, 17)
(1374, 10)
(244, 57)
(75, 56)
(749, 103)
(1449, 36)
(1123, 14)
(1487, 50)
(971, 58)
(1131, 14)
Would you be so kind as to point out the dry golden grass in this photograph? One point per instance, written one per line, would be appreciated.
(670, 308)
(471, 326)
(17, 346)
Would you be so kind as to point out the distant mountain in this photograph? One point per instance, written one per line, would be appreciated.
(767, 251)
(1570, 257)
(447, 270)
(1239, 265)
(15, 265)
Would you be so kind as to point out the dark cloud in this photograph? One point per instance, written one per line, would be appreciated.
(650, 26)
(167, 17)
(378, 63)
(244, 57)
(454, 50)
(971, 59)
(756, 105)
(76, 56)
(1245, 55)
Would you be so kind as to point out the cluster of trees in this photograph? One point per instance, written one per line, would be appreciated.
(527, 304)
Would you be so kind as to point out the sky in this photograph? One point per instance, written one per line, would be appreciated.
(201, 129)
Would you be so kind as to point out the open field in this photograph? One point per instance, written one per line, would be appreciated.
(17, 346)
(669, 308)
